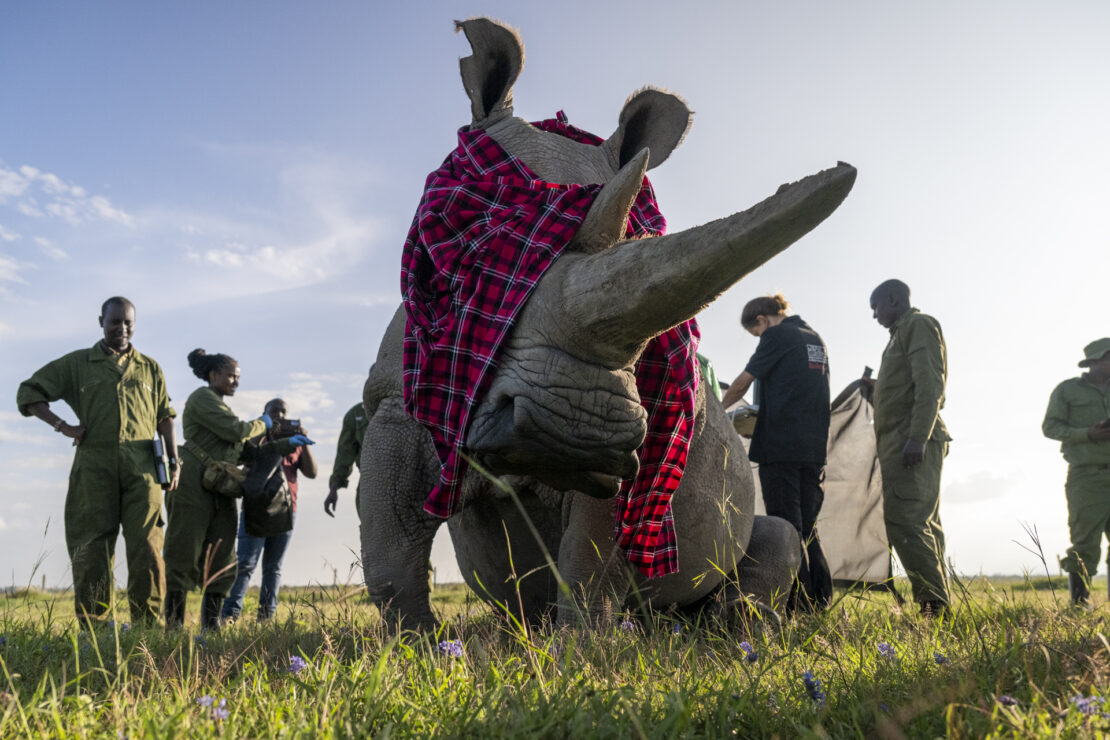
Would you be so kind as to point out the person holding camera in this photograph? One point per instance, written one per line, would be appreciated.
(1078, 416)
(271, 549)
(200, 534)
(121, 403)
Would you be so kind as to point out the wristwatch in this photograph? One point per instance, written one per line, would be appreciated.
(173, 462)
(58, 425)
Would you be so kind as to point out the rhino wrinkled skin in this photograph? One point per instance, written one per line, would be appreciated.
(562, 419)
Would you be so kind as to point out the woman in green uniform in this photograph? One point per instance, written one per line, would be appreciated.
(200, 534)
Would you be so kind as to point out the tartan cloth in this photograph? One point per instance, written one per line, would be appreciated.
(484, 233)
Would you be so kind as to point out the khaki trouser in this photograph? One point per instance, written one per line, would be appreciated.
(911, 509)
(113, 487)
(1088, 494)
(200, 535)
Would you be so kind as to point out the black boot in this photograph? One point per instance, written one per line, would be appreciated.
(175, 610)
(1080, 594)
(210, 611)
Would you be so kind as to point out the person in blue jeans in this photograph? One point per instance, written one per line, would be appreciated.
(270, 549)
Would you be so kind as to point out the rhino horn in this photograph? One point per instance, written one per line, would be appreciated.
(618, 299)
(607, 219)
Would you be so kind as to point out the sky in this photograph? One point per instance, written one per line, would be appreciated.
(246, 173)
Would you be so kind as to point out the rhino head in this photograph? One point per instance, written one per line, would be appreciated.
(563, 406)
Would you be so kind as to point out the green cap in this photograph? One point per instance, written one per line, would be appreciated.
(1095, 351)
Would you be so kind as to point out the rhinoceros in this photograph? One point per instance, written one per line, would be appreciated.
(562, 421)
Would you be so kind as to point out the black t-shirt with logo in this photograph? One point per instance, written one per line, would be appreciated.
(791, 366)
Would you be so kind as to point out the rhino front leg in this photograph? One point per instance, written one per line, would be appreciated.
(770, 562)
(590, 561)
(397, 471)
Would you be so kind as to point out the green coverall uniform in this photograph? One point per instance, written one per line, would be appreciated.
(200, 534)
(112, 482)
(909, 394)
(1074, 406)
(349, 450)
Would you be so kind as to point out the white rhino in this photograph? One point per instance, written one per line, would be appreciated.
(568, 366)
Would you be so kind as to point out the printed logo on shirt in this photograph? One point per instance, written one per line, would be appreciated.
(818, 359)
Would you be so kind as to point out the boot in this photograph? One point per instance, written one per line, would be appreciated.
(175, 610)
(210, 611)
(935, 609)
(1080, 594)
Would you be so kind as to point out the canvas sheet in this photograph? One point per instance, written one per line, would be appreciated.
(851, 523)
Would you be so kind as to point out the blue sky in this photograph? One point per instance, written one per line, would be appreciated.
(246, 172)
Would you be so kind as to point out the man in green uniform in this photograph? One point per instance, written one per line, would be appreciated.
(912, 440)
(347, 455)
(120, 399)
(1078, 416)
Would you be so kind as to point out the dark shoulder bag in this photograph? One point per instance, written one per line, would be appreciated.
(267, 501)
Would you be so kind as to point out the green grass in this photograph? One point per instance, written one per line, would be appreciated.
(664, 678)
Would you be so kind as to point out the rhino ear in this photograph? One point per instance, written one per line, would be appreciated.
(489, 73)
(653, 119)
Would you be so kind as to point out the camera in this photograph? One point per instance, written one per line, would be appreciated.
(285, 428)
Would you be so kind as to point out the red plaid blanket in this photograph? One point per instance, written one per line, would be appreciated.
(484, 233)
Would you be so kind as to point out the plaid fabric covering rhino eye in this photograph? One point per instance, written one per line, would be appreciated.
(484, 233)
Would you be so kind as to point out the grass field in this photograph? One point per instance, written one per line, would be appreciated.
(1014, 660)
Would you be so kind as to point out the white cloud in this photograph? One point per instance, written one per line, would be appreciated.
(29, 208)
(222, 258)
(10, 269)
(3, 524)
(8, 236)
(70, 203)
(55, 253)
(104, 208)
(12, 184)
(43, 463)
(14, 428)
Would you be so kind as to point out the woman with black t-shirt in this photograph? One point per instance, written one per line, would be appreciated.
(791, 434)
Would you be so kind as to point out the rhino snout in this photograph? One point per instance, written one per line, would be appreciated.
(516, 435)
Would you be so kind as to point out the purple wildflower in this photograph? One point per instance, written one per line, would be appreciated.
(297, 664)
(217, 711)
(1007, 701)
(201, 641)
(453, 648)
(3, 641)
(884, 708)
(676, 629)
(887, 650)
(125, 627)
(627, 626)
(813, 688)
(940, 659)
(1087, 705)
(750, 655)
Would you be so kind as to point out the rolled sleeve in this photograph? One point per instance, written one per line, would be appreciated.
(47, 385)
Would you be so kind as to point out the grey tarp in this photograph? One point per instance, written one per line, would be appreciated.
(851, 523)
